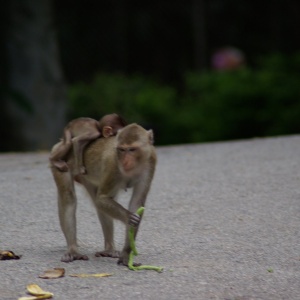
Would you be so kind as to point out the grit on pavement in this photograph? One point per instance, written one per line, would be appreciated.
(223, 219)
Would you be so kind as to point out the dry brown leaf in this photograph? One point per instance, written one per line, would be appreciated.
(91, 275)
(53, 273)
(35, 290)
(7, 254)
(45, 296)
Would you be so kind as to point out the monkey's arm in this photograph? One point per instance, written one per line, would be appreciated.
(138, 199)
(142, 186)
(115, 210)
(106, 203)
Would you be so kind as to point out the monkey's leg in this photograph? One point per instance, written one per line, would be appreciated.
(108, 232)
(106, 223)
(79, 143)
(106, 205)
(60, 151)
(57, 155)
(67, 213)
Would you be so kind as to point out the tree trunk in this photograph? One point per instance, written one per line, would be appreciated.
(37, 101)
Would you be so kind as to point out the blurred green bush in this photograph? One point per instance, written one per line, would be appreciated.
(136, 98)
(213, 105)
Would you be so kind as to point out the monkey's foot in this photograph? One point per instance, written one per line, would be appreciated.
(108, 253)
(69, 257)
(61, 165)
(124, 262)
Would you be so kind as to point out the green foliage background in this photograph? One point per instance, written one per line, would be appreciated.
(212, 105)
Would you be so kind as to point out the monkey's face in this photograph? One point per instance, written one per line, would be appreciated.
(129, 158)
(134, 145)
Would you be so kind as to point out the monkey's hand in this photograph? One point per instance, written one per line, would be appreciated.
(134, 220)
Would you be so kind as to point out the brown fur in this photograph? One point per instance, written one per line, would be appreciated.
(124, 161)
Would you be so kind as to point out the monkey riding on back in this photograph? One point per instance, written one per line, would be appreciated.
(78, 134)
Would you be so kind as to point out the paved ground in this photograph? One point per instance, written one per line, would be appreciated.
(223, 219)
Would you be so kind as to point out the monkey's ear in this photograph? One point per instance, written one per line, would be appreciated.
(107, 131)
(151, 136)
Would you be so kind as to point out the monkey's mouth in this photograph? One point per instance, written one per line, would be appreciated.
(127, 169)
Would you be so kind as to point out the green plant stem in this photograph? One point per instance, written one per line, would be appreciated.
(134, 252)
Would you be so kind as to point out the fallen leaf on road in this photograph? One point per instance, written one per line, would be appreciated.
(37, 292)
(7, 254)
(45, 296)
(53, 273)
(91, 275)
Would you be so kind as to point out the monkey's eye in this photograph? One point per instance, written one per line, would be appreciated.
(121, 150)
(132, 149)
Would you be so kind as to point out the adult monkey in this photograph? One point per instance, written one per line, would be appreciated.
(115, 163)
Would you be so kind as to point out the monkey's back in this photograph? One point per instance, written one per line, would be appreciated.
(98, 155)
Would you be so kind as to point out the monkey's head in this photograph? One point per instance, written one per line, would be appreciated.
(134, 146)
(110, 124)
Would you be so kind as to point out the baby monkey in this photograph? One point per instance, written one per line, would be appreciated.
(79, 133)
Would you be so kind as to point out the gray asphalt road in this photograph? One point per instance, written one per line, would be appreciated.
(223, 219)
